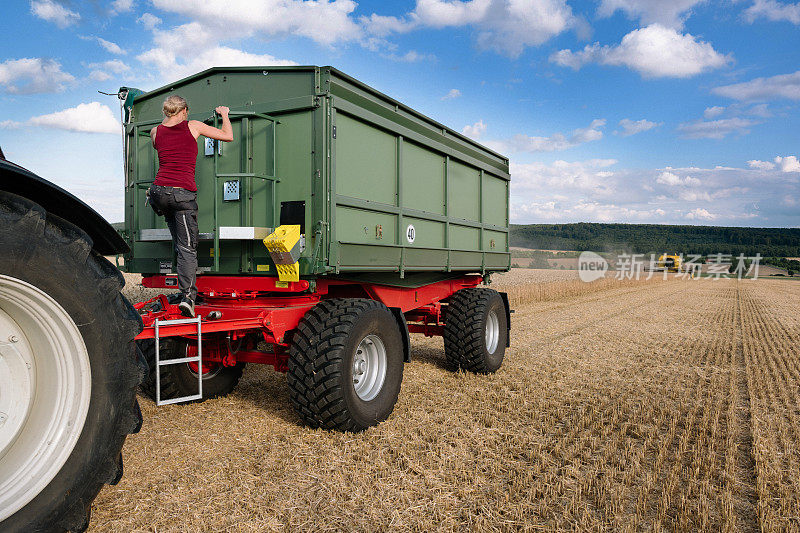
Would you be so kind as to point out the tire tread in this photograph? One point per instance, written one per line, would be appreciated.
(464, 341)
(74, 247)
(315, 362)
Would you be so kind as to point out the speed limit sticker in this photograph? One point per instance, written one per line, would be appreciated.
(411, 234)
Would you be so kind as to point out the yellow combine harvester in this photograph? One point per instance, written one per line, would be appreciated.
(669, 263)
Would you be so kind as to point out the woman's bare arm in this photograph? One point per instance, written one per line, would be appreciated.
(153, 136)
(225, 134)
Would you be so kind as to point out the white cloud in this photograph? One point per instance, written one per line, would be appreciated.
(111, 47)
(505, 26)
(553, 143)
(590, 133)
(177, 55)
(10, 125)
(93, 117)
(383, 26)
(583, 210)
(773, 11)
(592, 191)
(121, 6)
(54, 12)
(788, 163)
(105, 70)
(149, 21)
(476, 130)
(760, 165)
(694, 196)
(670, 13)
(412, 56)
(565, 177)
(33, 75)
(720, 121)
(442, 13)
(700, 214)
(654, 51)
(452, 93)
(325, 22)
(716, 129)
(632, 127)
(759, 110)
(673, 180)
(782, 86)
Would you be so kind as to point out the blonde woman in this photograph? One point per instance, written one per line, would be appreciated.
(174, 191)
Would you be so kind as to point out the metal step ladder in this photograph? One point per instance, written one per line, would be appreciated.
(197, 359)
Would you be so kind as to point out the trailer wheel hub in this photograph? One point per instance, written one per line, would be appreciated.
(369, 367)
(45, 387)
(492, 331)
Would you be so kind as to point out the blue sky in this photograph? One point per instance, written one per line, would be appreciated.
(680, 111)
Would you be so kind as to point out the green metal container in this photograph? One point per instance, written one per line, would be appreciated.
(376, 186)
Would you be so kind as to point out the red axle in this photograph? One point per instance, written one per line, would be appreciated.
(244, 305)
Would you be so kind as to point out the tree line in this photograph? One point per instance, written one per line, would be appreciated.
(658, 238)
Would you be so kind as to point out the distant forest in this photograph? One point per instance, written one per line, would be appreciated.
(657, 238)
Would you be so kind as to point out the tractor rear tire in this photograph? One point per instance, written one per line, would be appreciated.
(476, 331)
(346, 365)
(68, 372)
(179, 379)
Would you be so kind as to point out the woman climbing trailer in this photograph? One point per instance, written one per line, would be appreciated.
(337, 221)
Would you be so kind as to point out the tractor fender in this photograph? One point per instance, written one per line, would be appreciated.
(18, 180)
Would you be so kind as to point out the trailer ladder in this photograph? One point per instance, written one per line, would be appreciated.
(197, 359)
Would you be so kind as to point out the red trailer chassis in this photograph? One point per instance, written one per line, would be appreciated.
(248, 319)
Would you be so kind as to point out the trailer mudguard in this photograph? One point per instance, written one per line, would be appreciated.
(18, 180)
(403, 325)
(507, 305)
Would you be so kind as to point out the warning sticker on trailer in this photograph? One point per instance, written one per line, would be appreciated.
(411, 234)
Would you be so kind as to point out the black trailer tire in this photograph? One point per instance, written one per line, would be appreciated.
(476, 330)
(179, 379)
(335, 372)
(54, 261)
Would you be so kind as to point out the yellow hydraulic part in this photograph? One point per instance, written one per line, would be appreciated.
(284, 248)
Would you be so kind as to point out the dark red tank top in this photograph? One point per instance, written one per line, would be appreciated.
(177, 155)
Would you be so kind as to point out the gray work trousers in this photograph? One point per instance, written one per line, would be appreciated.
(179, 207)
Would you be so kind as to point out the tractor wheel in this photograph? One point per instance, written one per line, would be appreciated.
(476, 330)
(69, 369)
(181, 379)
(346, 364)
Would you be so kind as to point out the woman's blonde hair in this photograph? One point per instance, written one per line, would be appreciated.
(174, 104)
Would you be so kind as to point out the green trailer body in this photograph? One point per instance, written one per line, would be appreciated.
(379, 189)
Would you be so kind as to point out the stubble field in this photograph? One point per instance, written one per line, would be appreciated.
(660, 405)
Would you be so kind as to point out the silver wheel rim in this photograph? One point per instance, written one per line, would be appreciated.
(45, 387)
(369, 367)
(492, 331)
(207, 375)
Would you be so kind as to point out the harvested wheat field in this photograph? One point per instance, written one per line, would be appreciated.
(662, 405)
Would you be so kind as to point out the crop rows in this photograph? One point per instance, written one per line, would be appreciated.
(773, 380)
